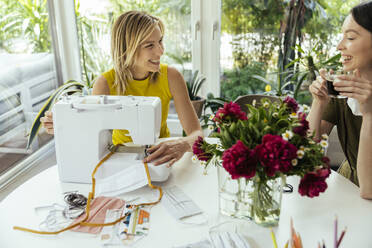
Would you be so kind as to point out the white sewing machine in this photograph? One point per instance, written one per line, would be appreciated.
(82, 134)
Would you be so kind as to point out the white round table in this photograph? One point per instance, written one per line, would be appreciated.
(313, 218)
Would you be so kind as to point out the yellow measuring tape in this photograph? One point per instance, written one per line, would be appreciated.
(91, 197)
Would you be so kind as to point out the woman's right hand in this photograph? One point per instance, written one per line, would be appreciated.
(47, 122)
(318, 88)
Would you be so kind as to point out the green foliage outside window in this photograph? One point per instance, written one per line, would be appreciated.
(270, 32)
(240, 81)
(24, 26)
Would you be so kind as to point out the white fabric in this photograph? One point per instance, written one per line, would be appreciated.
(200, 244)
(108, 235)
(128, 179)
(354, 106)
(220, 240)
(178, 204)
(228, 240)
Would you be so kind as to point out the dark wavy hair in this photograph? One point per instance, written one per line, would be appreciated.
(362, 14)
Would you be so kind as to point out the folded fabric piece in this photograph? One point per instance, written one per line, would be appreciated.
(228, 240)
(97, 213)
(220, 240)
(130, 230)
(178, 204)
(201, 244)
(108, 234)
(135, 226)
(131, 178)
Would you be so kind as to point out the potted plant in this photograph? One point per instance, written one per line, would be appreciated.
(193, 87)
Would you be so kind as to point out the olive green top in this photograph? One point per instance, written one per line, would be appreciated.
(348, 128)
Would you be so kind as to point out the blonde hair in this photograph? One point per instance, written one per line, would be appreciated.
(129, 31)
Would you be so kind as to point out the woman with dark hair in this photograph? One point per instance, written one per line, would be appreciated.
(352, 115)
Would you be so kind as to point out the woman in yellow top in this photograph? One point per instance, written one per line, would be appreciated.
(136, 48)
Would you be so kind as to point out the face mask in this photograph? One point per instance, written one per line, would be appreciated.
(201, 244)
(179, 205)
(126, 180)
(97, 213)
(354, 106)
(228, 240)
(220, 240)
(125, 172)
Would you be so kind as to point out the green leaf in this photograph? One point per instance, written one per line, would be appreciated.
(299, 48)
(286, 84)
(333, 59)
(292, 63)
(282, 123)
(10, 25)
(261, 79)
(198, 85)
(298, 86)
(257, 133)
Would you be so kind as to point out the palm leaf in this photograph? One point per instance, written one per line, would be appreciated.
(194, 85)
(261, 79)
(198, 84)
(195, 76)
(298, 87)
(34, 130)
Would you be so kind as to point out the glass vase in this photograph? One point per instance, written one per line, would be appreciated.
(252, 199)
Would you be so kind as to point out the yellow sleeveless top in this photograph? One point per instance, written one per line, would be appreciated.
(160, 88)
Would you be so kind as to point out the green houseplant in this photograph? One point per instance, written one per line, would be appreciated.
(194, 85)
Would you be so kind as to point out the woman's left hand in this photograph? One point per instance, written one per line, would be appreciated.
(167, 152)
(356, 87)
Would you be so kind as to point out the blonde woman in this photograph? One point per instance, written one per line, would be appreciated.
(136, 48)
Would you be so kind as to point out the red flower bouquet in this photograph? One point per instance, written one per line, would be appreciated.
(271, 141)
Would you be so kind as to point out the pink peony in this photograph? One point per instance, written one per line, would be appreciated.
(239, 161)
(199, 151)
(314, 183)
(291, 104)
(230, 112)
(276, 154)
(304, 125)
